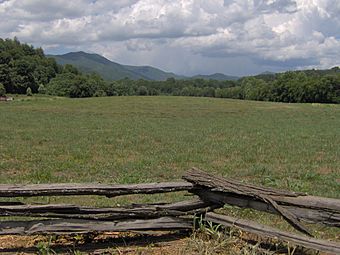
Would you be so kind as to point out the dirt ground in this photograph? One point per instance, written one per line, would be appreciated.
(159, 243)
(108, 243)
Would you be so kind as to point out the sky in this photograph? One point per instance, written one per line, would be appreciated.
(235, 37)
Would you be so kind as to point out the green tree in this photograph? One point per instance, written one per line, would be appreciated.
(124, 87)
(61, 84)
(2, 90)
(142, 91)
(70, 69)
(186, 91)
(255, 89)
(208, 92)
(22, 66)
(233, 92)
(81, 87)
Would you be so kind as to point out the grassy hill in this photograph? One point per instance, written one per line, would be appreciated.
(109, 70)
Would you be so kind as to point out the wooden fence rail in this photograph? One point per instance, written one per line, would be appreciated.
(64, 211)
(73, 226)
(212, 192)
(71, 189)
(262, 230)
(298, 206)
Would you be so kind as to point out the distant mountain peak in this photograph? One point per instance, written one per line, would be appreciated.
(216, 76)
(109, 70)
(267, 73)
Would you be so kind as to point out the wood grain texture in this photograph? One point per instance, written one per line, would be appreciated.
(216, 183)
(262, 230)
(68, 189)
(189, 207)
(63, 226)
(324, 214)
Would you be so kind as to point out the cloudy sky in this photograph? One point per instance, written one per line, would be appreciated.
(237, 37)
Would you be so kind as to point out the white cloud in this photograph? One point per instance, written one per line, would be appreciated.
(267, 33)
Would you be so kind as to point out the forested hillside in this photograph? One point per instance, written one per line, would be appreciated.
(89, 63)
(109, 70)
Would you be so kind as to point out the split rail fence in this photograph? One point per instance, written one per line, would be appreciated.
(211, 192)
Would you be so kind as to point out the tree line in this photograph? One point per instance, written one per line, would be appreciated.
(24, 69)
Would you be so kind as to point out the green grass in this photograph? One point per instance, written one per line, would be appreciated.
(145, 139)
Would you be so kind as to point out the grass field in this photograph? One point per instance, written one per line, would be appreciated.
(144, 139)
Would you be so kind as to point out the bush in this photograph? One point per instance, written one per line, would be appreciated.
(100, 93)
(29, 92)
(42, 89)
(142, 91)
(2, 90)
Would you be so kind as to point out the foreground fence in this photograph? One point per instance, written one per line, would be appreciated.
(211, 192)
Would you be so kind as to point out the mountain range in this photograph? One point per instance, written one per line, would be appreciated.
(109, 70)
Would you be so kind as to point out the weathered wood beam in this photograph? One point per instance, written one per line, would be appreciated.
(130, 212)
(216, 183)
(311, 202)
(327, 216)
(68, 189)
(62, 226)
(122, 215)
(184, 206)
(235, 189)
(262, 230)
(75, 212)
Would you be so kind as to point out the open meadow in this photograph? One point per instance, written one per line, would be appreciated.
(147, 139)
(143, 139)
